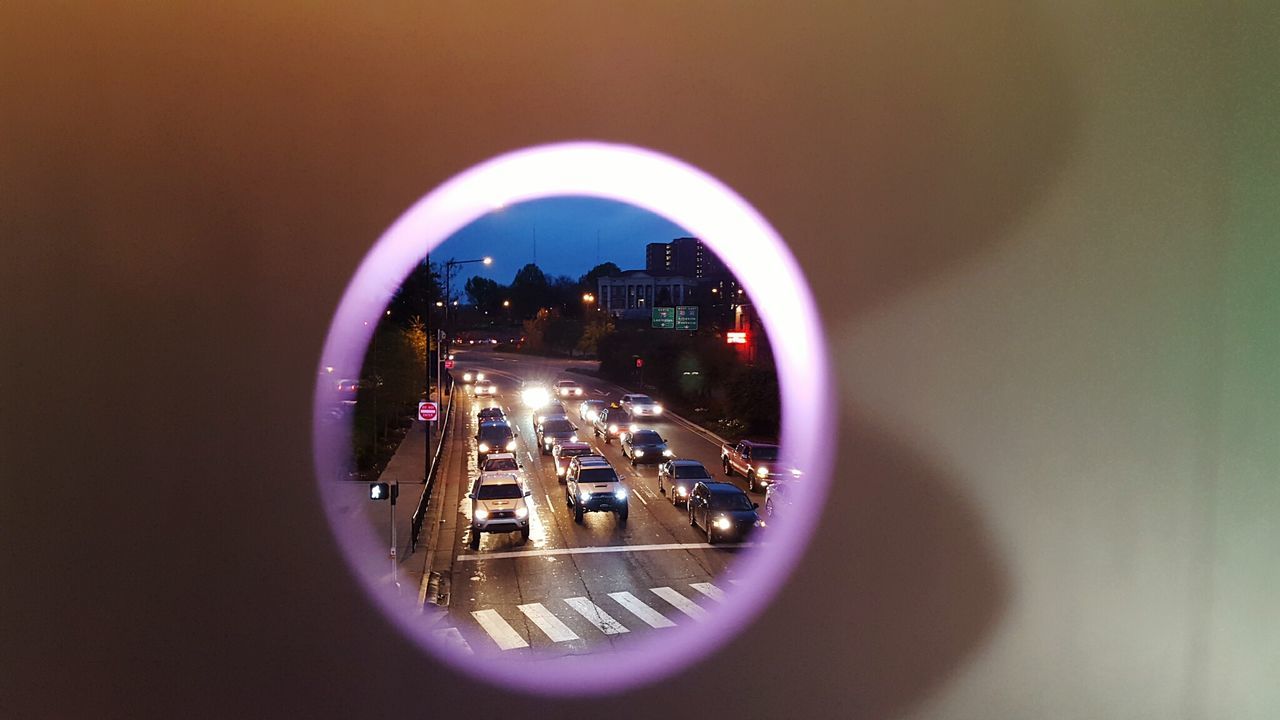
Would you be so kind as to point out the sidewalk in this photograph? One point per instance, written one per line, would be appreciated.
(407, 467)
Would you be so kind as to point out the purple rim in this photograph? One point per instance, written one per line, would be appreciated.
(749, 247)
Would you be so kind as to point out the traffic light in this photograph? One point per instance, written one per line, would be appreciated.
(383, 491)
(639, 362)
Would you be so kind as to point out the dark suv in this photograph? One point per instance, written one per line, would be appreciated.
(592, 485)
(723, 510)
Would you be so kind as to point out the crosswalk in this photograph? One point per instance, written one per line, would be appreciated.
(580, 618)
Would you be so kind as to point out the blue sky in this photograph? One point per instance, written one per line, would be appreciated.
(566, 229)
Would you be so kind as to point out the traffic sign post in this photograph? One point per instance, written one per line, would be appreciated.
(428, 411)
(686, 317)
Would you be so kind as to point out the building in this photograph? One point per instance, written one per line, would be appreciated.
(641, 290)
(685, 256)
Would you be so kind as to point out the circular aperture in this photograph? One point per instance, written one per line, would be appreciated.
(751, 250)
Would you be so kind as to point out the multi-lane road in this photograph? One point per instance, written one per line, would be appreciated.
(574, 589)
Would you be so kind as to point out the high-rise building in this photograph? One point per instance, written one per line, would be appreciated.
(685, 256)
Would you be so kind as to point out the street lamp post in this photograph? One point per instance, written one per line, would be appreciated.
(448, 277)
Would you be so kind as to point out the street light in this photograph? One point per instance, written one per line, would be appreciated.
(449, 265)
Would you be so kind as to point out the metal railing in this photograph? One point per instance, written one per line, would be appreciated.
(415, 525)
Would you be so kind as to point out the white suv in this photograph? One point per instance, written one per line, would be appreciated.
(498, 505)
(592, 485)
(640, 405)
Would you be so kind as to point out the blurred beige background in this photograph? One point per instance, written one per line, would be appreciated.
(1042, 236)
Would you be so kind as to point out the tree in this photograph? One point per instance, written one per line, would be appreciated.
(487, 295)
(588, 282)
(417, 295)
(530, 291)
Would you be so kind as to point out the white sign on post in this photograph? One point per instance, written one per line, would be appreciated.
(427, 411)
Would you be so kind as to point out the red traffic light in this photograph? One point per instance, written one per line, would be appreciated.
(639, 362)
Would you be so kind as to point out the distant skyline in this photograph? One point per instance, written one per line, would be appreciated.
(566, 229)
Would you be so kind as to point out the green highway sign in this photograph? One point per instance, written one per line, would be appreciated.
(686, 317)
(664, 317)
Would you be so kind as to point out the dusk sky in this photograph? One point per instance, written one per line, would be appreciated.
(566, 229)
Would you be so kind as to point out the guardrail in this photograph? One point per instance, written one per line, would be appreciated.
(415, 525)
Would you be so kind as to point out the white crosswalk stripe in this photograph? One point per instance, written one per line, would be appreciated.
(503, 634)
(596, 616)
(681, 603)
(548, 623)
(640, 610)
(709, 590)
(450, 637)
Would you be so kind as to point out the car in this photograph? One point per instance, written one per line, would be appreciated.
(550, 410)
(484, 388)
(554, 430)
(645, 446)
(494, 436)
(504, 462)
(754, 460)
(534, 394)
(723, 510)
(777, 499)
(588, 409)
(592, 485)
(568, 389)
(611, 422)
(498, 505)
(563, 452)
(640, 405)
(490, 413)
(676, 479)
(471, 376)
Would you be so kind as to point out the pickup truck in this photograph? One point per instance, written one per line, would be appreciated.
(755, 461)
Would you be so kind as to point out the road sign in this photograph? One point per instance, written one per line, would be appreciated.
(448, 364)
(427, 411)
(735, 338)
(686, 317)
(664, 317)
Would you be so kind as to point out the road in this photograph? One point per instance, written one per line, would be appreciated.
(576, 589)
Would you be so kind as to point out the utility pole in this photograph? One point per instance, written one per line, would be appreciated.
(426, 365)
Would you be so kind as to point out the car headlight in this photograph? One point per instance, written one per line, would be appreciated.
(683, 491)
(482, 514)
(479, 376)
(722, 523)
(620, 493)
(467, 377)
(613, 428)
(762, 471)
(535, 397)
(667, 453)
(634, 427)
(573, 438)
(484, 447)
(511, 445)
(639, 453)
(522, 512)
(577, 391)
(657, 409)
(584, 496)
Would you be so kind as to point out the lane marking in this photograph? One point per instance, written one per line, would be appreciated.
(709, 590)
(503, 634)
(452, 638)
(639, 609)
(548, 623)
(641, 496)
(599, 549)
(681, 603)
(596, 616)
